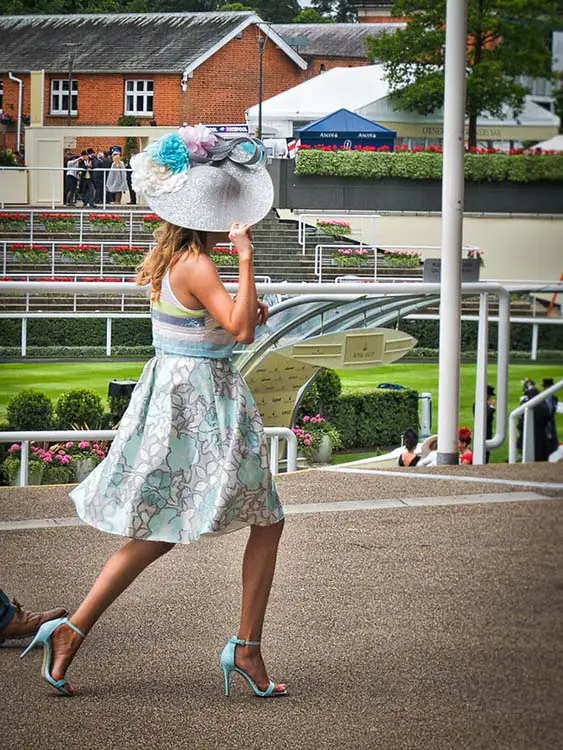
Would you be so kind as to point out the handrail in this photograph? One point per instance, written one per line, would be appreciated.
(527, 454)
(24, 437)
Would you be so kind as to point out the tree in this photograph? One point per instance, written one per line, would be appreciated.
(235, 6)
(310, 15)
(505, 39)
(335, 10)
(277, 11)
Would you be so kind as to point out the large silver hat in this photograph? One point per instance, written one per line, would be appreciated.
(195, 180)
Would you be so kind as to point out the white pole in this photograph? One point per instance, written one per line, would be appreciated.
(535, 331)
(24, 463)
(24, 337)
(452, 231)
(108, 337)
(480, 421)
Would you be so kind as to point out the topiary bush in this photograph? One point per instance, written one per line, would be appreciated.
(79, 407)
(30, 410)
(322, 394)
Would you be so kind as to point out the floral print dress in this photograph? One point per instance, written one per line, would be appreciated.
(190, 455)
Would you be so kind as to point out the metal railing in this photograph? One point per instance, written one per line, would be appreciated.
(24, 438)
(58, 187)
(320, 256)
(303, 223)
(378, 289)
(526, 409)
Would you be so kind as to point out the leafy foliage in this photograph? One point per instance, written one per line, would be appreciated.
(505, 39)
(426, 165)
(80, 407)
(29, 410)
(342, 11)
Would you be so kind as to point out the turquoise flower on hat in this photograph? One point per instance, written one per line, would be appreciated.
(171, 152)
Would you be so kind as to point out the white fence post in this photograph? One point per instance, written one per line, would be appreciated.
(534, 352)
(480, 417)
(24, 463)
(24, 338)
(108, 337)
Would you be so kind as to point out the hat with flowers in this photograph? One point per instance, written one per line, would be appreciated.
(194, 179)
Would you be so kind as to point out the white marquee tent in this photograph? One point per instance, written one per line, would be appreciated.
(365, 90)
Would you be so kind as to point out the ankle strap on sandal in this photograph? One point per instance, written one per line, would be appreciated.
(239, 642)
(73, 627)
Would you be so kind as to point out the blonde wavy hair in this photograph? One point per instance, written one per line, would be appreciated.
(172, 244)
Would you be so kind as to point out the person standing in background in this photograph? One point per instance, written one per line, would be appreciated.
(132, 193)
(117, 178)
(551, 402)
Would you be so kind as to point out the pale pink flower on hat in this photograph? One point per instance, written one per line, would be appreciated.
(199, 140)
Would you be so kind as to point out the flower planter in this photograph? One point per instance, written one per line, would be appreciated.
(34, 475)
(58, 222)
(83, 467)
(324, 451)
(125, 255)
(30, 254)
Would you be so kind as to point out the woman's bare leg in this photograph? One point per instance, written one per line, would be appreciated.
(117, 574)
(259, 564)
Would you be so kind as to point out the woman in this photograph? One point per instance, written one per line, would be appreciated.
(190, 457)
(117, 178)
(408, 457)
(464, 440)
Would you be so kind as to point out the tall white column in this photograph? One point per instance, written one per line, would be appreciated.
(452, 231)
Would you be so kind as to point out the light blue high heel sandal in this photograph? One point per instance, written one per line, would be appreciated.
(42, 638)
(228, 664)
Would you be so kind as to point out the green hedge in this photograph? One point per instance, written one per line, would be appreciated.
(426, 332)
(75, 331)
(74, 352)
(374, 420)
(426, 165)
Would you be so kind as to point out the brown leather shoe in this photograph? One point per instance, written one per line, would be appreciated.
(26, 624)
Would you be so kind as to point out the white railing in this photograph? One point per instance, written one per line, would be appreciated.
(320, 257)
(304, 222)
(58, 187)
(132, 217)
(57, 264)
(526, 409)
(24, 438)
(374, 289)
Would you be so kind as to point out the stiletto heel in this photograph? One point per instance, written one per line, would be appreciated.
(228, 665)
(43, 638)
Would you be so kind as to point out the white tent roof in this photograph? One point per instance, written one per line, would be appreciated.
(365, 90)
(553, 144)
(351, 88)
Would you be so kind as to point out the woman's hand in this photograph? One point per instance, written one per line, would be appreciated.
(262, 313)
(241, 237)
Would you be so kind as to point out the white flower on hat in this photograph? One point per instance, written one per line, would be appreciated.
(151, 178)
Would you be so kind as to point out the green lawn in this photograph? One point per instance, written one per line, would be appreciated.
(424, 378)
(55, 378)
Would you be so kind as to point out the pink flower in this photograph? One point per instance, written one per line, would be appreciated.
(306, 419)
(199, 140)
(69, 444)
(314, 419)
(83, 444)
(15, 447)
(48, 458)
(306, 442)
(308, 436)
(100, 453)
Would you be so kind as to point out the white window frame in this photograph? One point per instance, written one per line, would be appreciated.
(135, 88)
(59, 88)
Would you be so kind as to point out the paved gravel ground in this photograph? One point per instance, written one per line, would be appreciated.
(405, 629)
(318, 487)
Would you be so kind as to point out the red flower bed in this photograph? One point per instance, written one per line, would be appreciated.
(105, 217)
(79, 248)
(151, 217)
(56, 216)
(55, 278)
(13, 217)
(106, 278)
(22, 247)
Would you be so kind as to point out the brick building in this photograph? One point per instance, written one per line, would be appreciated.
(169, 68)
(329, 45)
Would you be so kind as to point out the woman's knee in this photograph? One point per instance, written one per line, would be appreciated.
(271, 532)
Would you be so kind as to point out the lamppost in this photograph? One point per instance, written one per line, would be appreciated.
(261, 42)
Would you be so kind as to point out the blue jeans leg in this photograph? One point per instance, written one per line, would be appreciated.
(7, 611)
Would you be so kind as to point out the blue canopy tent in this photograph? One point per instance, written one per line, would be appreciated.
(345, 128)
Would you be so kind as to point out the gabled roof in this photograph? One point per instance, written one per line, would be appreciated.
(344, 121)
(333, 39)
(123, 42)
